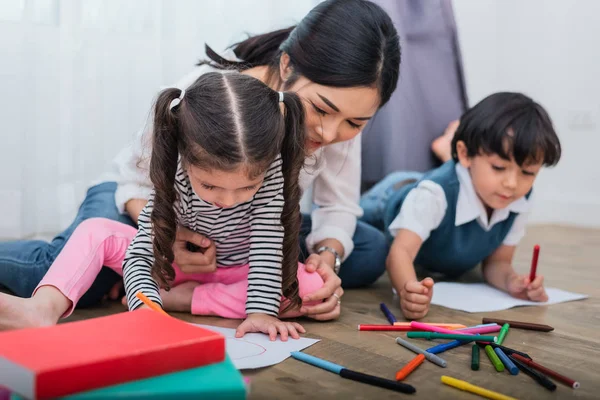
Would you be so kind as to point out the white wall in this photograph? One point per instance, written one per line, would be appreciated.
(550, 50)
(78, 77)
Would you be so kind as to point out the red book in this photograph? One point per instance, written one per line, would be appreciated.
(42, 363)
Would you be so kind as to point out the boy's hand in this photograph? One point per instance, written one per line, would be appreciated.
(415, 298)
(270, 325)
(519, 286)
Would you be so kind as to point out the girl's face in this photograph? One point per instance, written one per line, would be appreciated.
(333, 114)
(224, 189)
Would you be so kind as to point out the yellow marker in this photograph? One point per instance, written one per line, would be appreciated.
(150, 303)
(467, 387)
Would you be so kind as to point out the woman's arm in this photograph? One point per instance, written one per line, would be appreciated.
(336, 193)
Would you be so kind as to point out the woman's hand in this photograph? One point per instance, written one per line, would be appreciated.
(331, 292)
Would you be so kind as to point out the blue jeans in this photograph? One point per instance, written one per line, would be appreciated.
(24, 263)
(379, 203)
(365, 264)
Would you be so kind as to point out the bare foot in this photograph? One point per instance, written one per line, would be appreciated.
(17, 312)
(179, 298)
(442, 146)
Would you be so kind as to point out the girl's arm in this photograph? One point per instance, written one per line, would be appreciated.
(137, 266)
(266, 240)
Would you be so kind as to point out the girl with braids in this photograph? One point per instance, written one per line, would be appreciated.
(226, 155)
(343, 61)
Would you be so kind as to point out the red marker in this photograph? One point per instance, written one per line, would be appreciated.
(534, 261)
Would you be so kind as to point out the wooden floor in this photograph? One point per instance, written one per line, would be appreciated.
(569, 260)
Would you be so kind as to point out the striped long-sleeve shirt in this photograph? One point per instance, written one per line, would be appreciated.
(249, 232)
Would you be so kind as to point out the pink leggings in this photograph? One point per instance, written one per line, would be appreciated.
(101, 242)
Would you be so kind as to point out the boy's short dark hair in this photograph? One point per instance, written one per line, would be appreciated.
(510, 125)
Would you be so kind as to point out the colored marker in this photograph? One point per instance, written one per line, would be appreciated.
(519, 324)
(353, 375)
(536, 376)
(503, 333)
(440, 348)
(429, 356)
(410, 367)
(510, 366)
(391, 328)
(553, 374)
(468, 331)
(150, 303)
(468, 387)
(388, 314)
(494, 358)
(534, 262)
(506, 350)
(438, 324)
(475, 357)
(480, 329)
(435, 335)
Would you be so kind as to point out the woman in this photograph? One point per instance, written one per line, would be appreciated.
(344, 72)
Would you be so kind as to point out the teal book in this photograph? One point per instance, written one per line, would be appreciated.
(220, 381)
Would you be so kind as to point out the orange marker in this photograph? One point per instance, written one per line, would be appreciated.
(439, 325)
(410, 367)
(150, 303)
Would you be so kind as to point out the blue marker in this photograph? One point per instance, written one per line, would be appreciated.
(353, 375)
(440, 348)
(317, 362)
(510, 366)
(388, 314)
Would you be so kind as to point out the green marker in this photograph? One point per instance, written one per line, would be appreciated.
(475, 358)
(494, 358)
(502, 333)
(435, 335)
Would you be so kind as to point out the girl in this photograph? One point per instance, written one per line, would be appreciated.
(471, 210)
(225, 160)
(343, 60)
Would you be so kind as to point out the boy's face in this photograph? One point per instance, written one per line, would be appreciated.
(498, 182)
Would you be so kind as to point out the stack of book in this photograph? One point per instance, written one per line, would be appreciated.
(133, 355)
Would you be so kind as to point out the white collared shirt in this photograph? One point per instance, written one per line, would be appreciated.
(424, 208)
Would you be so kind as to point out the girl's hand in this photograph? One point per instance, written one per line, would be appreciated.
(194, 262)
(519, 286)
(415, 298)
(270, 325)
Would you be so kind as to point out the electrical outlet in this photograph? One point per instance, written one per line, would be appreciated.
(582, 120)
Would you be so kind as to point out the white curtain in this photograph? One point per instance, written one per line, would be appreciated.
(77, 79)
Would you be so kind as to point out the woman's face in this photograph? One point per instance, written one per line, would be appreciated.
(333, 114)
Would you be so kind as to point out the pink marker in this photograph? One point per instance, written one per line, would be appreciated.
(431, 328)
(480, 329)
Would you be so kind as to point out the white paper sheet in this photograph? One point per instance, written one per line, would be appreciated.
(480, 297)
(255, 350)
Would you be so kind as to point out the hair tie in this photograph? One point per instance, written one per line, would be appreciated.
(175, 102)
(281, 95)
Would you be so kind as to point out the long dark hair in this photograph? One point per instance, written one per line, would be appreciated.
(510, 125)
(227, 120)
(339, 43)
